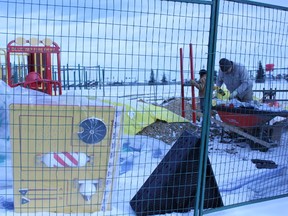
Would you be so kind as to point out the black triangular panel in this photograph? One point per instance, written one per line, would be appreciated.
(172, 185)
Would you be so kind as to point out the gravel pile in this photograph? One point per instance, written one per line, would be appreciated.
(169, 132)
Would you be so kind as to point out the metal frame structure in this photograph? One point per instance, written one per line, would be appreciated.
(39, 61)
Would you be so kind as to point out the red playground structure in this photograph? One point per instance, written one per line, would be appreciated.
(37, 67)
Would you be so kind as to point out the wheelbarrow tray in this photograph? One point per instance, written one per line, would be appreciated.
(246, 117)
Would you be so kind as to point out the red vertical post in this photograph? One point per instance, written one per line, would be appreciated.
(48, 71)
(31, 62)
(59, 69)
(192, 87)
(9, 73)
(182, 84)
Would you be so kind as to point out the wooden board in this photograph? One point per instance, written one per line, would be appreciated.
(242, 133)
(239, 131)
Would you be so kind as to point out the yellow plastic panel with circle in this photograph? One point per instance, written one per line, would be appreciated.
(48, 149)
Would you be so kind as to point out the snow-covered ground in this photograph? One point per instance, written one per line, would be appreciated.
(238, 178)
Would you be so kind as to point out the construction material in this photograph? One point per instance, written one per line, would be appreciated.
(193, 98)
(172, 186)
(250, 122)
(192, 78)
(264, 164)
(242, 133)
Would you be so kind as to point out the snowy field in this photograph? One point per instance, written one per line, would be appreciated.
(238, 178)
(158, 93)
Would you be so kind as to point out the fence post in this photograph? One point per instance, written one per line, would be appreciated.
(98, 77)
(200, 194)
(103, 75)
(2, 73)
(64, 77)
(79, 76)
(85, 81)
(15, 74)
(68, 81)
(74, 77)
(53, 73)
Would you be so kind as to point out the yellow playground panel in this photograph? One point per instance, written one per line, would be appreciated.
(63, 157)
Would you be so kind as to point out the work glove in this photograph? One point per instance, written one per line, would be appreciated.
(233, 95)
(193, 82)
(216, 88)
(219, 90)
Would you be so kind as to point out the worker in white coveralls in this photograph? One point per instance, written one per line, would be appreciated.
(237, 80)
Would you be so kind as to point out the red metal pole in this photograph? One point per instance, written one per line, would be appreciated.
(9, 73)
(192, 87)
(182, 84)
(59, 73)
(48, 71)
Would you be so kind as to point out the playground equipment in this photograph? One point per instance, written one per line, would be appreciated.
(66, 158)
(269, 69)
(38, 74)
(2, 63)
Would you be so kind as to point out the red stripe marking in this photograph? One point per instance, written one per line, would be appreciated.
(59, 160)
(71, 158)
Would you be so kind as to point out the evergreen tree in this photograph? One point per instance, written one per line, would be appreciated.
(152, 78)
(260, 77)
(164, 79)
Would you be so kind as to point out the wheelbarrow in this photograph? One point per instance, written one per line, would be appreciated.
(252, 121)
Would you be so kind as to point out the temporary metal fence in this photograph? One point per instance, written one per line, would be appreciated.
(121, 139)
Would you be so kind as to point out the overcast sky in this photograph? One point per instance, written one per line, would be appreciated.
(283, 3)
(147, 33)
